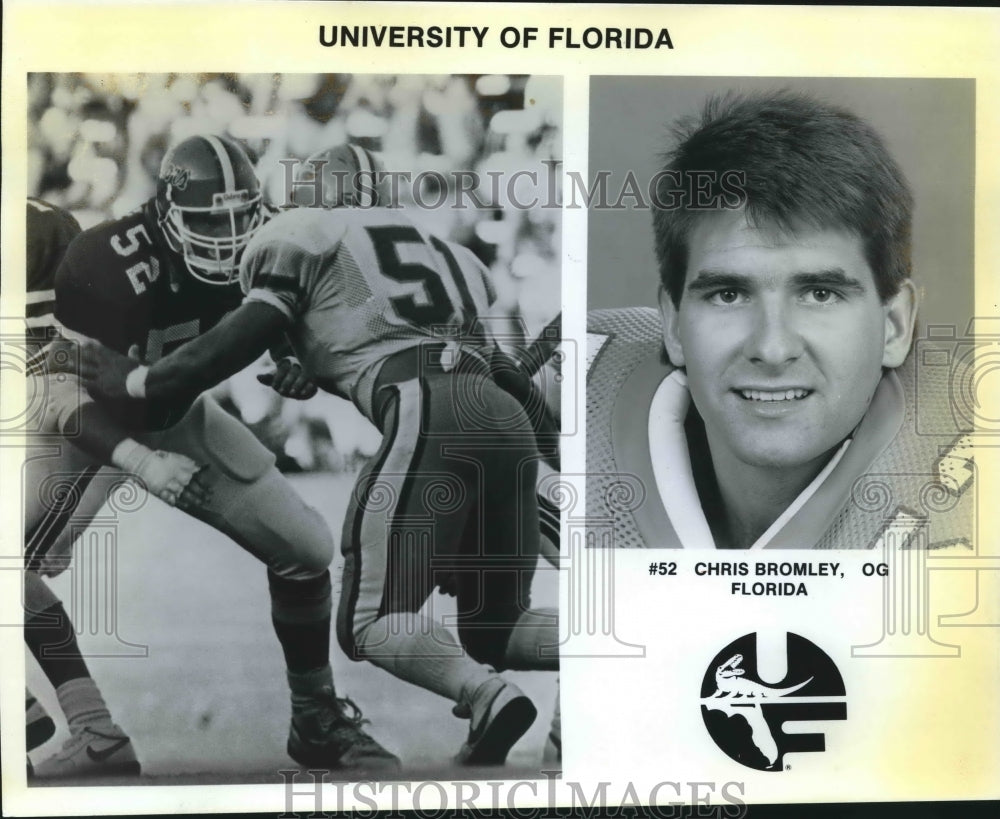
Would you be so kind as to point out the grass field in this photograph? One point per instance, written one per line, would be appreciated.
(208, 702)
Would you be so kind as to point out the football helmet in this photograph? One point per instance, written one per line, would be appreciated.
(209, 205)
(345, 176)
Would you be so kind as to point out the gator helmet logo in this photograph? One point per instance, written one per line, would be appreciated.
(746, 716)
(176, 176)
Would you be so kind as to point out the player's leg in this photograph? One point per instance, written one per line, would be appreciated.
(496, 622)
(387, 569)
(39, 727)
(254, 504)
(407, 515)
(500, 550)
(61, 497)
(96, 745)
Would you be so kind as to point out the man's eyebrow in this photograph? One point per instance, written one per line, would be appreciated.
(834, 277)
(708, 279)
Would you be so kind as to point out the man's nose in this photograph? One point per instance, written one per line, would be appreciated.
(775, 338)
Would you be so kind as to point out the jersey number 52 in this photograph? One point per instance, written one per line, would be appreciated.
(144, 272)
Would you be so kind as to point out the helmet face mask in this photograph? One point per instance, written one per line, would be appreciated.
(211, 240)
(209, 205)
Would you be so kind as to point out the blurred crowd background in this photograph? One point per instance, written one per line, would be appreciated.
(95, 142)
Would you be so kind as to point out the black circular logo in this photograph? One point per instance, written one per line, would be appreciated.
(746, 715)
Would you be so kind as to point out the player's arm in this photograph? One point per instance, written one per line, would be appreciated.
(275, 270)
(273, 275)
(234, 343)
(288, 378)
(175, 479)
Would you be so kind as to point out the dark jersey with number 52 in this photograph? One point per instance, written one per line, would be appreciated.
(115, 285)
(359, 285)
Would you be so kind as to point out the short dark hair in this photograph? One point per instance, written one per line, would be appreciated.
(799, 160)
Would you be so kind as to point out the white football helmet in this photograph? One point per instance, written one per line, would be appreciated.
(346, 176)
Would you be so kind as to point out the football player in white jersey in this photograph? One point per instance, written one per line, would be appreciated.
(395, 319)
(786, 313)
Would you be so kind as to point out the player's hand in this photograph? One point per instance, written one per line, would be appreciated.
(174, 479)
(103, 371)
(60, 356)
(197, 493)
(289, 380)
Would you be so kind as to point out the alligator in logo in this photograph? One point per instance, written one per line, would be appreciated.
(746, 716)
(177, 176)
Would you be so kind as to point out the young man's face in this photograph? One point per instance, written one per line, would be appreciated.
(783, 337)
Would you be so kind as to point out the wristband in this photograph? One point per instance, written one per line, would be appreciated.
(130, 456)
(135, 382)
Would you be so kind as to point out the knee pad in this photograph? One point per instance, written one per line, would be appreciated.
(310, 546)
(270, 520)
(321, 547)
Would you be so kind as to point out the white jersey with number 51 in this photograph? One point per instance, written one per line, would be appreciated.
(359, 285)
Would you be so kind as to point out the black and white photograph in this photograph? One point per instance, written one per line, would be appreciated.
(771, 263)
(393, 391)
(290, 355)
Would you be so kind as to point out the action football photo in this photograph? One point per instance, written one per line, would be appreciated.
(780, 286)
(293, 360)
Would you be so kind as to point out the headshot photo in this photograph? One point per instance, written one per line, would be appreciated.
(788, 253)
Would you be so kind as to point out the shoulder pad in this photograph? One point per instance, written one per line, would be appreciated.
(625, 335)
(314, 230)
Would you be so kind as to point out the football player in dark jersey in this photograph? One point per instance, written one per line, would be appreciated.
(149, 283)
(394, 318)
(787, 314)
(50, 524)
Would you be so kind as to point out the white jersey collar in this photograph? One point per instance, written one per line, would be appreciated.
(671, 463)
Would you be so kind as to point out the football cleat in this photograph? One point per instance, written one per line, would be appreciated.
(39, 727)
(104, 751)
(500, 714)
(324, 735)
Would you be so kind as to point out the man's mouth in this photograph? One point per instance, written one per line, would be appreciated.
(791, 394)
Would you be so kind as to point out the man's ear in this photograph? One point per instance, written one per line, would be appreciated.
(671, 337)
(900, 316)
